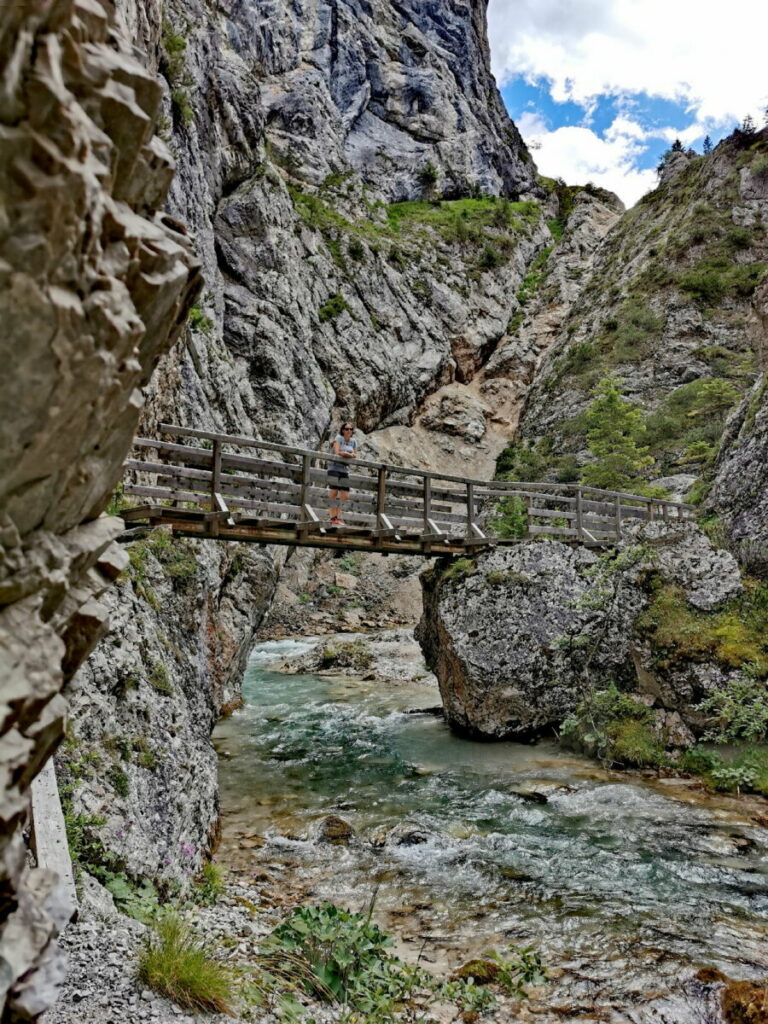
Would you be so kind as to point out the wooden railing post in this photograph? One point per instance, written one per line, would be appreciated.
(215, 485)
(470, 508)
(306, 480)
(618, 518)
(381, 493)
(579, 514)
(427, 513)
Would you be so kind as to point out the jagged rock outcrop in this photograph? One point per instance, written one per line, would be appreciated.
(517, 637)
(95, 282)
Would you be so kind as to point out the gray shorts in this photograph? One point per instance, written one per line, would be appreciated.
(338, 481)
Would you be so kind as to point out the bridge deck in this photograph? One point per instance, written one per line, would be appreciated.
(247, 490)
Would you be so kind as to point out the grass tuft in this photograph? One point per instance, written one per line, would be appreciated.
(177, 965)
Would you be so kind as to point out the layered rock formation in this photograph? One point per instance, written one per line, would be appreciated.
(95, 283)
(519, 636)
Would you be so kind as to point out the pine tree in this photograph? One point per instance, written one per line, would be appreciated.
(748, 126)
(616, 429)
(677, 146)
(707, 145)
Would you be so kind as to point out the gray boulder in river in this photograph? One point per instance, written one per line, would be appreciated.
(518, 635)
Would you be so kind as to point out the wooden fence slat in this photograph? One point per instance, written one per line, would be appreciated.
(49, 842)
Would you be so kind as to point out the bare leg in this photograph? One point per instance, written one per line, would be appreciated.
(343, 496)
(333, 496)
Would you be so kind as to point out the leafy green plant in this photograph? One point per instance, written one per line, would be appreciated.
(139, 901)
(613, 727)
(738, 711)
(211, 883)
(198, 321)
(338, 956)
(177, 965)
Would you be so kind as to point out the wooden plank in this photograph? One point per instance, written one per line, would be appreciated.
(49, 843)
(557, 531)
(551, 513)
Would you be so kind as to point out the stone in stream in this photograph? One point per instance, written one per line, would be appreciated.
(335, 830)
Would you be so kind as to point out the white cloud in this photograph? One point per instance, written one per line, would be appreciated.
(578, 155)
(709, 58)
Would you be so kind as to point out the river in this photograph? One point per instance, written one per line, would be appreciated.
(626, 885)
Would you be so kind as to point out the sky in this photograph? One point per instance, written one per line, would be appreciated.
(600, 88)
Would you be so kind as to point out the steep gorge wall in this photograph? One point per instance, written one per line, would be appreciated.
(294, 126)
(95, 283)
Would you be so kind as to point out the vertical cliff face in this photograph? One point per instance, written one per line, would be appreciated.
(295, 126)
(95, 282)
(740, 488)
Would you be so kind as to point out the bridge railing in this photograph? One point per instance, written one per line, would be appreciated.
(252, 487)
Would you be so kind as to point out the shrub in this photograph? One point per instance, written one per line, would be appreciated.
(490, 258)
(177, 965)
(356, 250)
(715, 277)
(334, 307)
(615, 728)
(119, 781)
(428, 176)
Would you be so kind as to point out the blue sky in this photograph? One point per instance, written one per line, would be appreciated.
(600, 88)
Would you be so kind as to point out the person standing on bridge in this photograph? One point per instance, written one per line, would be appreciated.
(344, 447)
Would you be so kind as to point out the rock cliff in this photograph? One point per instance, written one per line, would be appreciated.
(95, 283)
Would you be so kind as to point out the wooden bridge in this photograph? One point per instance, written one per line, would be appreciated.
(247, 490)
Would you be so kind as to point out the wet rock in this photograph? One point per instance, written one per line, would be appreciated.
(335, 830)
(409, 833)
(745, 1002)
(480, 971)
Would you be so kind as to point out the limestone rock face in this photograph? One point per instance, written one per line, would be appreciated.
(740, 490)
(517, 639)
(95, 282)
(386, 89)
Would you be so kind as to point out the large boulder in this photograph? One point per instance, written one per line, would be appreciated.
(519, 634)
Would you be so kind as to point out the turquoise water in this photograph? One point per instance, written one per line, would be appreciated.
(631, 883)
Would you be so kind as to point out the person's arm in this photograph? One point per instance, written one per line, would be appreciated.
(342, 455)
